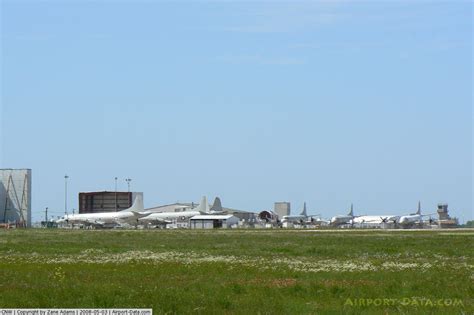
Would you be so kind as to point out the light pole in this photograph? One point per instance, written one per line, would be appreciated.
(65, 194)
(116, 194)
(128, 180)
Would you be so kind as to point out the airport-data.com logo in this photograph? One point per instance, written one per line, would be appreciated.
(412, 301)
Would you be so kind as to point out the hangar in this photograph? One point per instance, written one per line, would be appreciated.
(106, 201)
(15, 197)
(213, 221)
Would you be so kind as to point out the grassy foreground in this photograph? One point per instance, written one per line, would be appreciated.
(240, 271)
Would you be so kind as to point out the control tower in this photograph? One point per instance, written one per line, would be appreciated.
(445, 221)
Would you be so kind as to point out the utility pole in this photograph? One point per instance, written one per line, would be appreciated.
(65, 193)
(128, 180)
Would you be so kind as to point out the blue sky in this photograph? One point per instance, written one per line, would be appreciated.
(326, 102)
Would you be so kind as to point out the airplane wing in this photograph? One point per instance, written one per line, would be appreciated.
(94, 223)
(99, 223)
(87, 222)
(159, 221)
(318, 221)
(154, 220)
(133, 218)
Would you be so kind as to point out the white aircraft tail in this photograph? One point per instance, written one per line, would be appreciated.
(137, 205)
(304, 210)
(419, 208)
(351, 213)
(203, 206)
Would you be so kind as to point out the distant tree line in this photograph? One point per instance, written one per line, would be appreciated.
(469, 224)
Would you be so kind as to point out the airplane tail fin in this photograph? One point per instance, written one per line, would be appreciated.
(351, 213)
(304, 210)
(137, 205)
(203, 206)
(217, 206)
(419, 208)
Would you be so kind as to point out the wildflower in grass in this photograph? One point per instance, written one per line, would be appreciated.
(59, 274)
(191, 258)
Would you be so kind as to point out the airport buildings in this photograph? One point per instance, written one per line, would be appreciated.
(15, 197)
(106, 201)
(213, 221)
(282, 209)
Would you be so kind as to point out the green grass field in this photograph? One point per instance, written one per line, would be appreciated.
(240, 271)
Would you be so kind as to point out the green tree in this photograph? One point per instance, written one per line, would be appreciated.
(469, 224)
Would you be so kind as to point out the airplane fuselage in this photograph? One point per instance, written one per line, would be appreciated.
(102, 217)
(168, 217)
(374, 219)
(410, 219)
(294, 218)
(341, 219)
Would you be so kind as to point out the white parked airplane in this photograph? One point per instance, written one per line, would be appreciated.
(415, 218)
(169, 217)
(343, 219)
(302, 218)
(298, 219)
(376, 219)
(319, 222)
(100, 219)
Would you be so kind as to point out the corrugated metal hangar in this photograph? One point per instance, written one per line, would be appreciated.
(105, 201)
(15, 196)
(213, 221)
